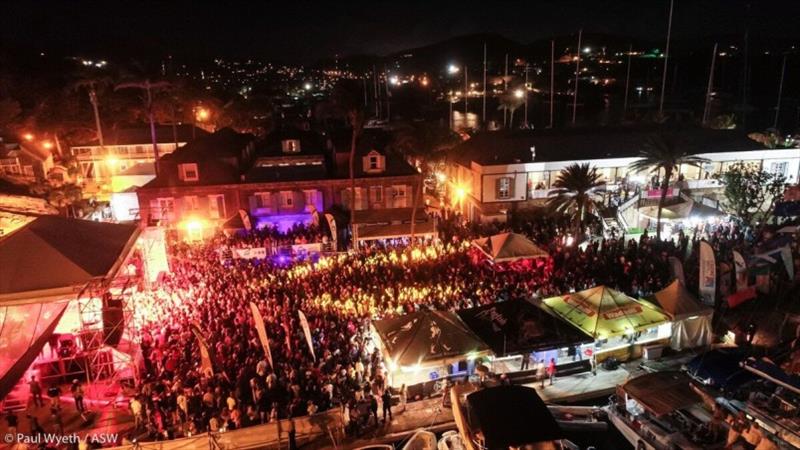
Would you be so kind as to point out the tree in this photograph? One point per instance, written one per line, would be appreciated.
(750, 192)
(148, 88)
(92, 83)
(346, 98)
(510, 102)
(578, 189)
(661, 154)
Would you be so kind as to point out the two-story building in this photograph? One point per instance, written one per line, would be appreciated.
(25, 160)
(127, 157)
(496, 172)
(291, 176)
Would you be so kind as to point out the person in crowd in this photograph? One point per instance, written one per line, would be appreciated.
(36, 391)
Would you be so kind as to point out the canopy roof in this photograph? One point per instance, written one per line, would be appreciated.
(55, 252)
(427, 336)
(681, 211)
(516, 326)
(678, 302)
(509, 247)
(603, 312)
(511, 416)
(662, 392)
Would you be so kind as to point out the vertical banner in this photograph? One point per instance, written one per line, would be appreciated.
(676, 267)
(741, 271)
(307, 332)
(205, 353)
(245, 220)
(332, 226)
(788, 261)
(262, 333)
(708, 274)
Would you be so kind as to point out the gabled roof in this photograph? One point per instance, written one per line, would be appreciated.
(517, 326)
(55, 252)
(604, 312)
(427, 336)
(141, 135)
(225, 143)
(506, 247)
(678, 302)
(580, 144)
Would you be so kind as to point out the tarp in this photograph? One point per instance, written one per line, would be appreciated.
(691, 321)
(509, 247)
(24, 329)
(55, 252)
(517, 326)
(603, 312)
(511, 416)
(662, 392)
(772, 372)
(427, 336)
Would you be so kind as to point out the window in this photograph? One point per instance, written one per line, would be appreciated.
(165, 207)
(263, 200)
(191, 203)
(504, 188)
(139, 149)
(287, 199)
(310, 197)
(399, 195)
(188, 172)
(290, 145)
(216, 206)
(28, 170)
(376, 194)
(374, 162)
(779, 168)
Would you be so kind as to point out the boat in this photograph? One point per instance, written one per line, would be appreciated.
(503, 417)
(421, 440)
(664, 411)
(579, 418)
(451, 440)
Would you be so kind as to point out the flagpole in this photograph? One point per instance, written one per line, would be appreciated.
(466, 94)
(483, 115)
(707, 109)
(552, 78)
(577, 73)
(666, 60)
(627, 83)
(526, 95)
(505, 88)
(780, 94)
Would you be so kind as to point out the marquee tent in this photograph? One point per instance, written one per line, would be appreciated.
(517, 326)
(691, 321)
(43, 266)
(507, 247)
(603, 312)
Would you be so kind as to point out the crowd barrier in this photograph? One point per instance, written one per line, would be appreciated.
(327, 425)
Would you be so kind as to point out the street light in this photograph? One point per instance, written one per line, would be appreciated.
(307, 86)
(28, 137)
(47, 145)
(519, 93)
(202, 114)
(452, 69)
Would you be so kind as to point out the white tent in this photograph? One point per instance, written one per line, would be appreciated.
(691, 321)
(507, 247)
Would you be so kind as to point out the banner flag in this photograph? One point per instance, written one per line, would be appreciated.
(676, 267)
(788, 261)
(307, 332)
(205, 352)
(245, 220)
(262, 333)
(332, 225)
(741, 271)
(708, 274)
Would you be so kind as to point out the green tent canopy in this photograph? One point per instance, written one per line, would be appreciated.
(603, 312)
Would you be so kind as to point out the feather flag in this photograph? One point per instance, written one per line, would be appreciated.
(307, 332)
(262, 333)
(205, 352)
(708, 274)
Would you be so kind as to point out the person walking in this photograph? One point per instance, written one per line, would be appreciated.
(541, 373)
(386, 399)
(551, 370)
(403, 396)
(373, 407)
(36, 392)
(77, 394)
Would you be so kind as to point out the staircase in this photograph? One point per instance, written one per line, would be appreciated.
(611, 224)
(17, 399)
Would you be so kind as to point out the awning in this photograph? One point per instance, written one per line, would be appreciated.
(517, 326)
(506, 247)
(603, 312)
(662, 392)
(55, 253)
(427, 336)
(511, 416)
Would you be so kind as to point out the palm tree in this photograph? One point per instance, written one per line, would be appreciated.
(510, 102)
(578, 189)
(92, 84)
(659, 154)
(346, 98)
(147, 87)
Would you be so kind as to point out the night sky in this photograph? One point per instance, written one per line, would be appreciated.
(303, 31)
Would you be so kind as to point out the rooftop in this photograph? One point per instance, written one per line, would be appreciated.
(514, 147)
(165, 134)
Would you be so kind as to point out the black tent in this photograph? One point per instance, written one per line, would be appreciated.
(427, 336)
(517, 326)
(511, 416)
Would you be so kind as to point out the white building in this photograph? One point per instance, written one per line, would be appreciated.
(496, 172)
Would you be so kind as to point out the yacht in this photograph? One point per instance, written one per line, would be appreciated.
(665, 411)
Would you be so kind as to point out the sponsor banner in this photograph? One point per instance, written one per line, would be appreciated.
(307, 332)
(676, 267)
(245, 220)
(625, 311)
(708, 274)
(249, 253)
(582, 305)
(262, 332)
(307, 248)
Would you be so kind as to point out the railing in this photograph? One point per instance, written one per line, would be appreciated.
(702, 184)
(327, 425)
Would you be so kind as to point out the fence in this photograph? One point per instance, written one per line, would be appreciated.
(327, 425)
